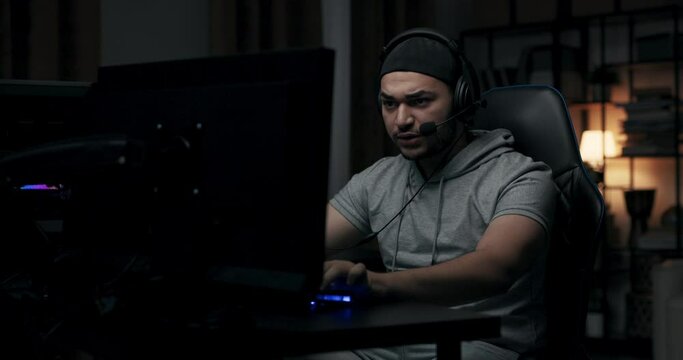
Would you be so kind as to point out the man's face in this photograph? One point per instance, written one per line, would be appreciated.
(410, 99)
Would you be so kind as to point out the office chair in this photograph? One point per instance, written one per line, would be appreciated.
(539, 120)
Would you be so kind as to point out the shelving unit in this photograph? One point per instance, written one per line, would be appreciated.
(562, 53)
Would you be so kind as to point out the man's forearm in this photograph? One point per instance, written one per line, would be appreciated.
(471, 277)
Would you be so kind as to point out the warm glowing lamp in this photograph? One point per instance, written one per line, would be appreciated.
(597, 145)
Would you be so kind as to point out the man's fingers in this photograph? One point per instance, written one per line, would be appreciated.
(332, 270)
(327, 265)
(329, 276)
(357, 274)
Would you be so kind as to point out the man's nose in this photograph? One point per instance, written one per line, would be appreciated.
(403, 117)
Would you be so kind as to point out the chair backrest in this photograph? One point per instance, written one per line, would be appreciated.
(539, 120)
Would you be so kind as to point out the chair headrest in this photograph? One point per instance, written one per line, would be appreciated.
(538, 119)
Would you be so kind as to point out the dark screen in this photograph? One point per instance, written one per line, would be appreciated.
(236, 162)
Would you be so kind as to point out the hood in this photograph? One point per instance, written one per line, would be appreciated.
(485, 145)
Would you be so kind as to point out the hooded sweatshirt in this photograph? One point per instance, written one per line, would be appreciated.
(483, 181)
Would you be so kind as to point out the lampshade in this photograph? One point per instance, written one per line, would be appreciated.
(592, 142)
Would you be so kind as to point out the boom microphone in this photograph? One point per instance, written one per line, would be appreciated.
(429, 128)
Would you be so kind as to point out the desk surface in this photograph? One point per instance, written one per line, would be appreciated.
(376, 326)
(166, 332)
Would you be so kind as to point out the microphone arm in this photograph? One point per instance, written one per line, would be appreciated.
(429, 128)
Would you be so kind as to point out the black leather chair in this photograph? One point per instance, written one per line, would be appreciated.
(539, 120)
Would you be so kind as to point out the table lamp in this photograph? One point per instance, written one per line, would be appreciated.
(596, 145)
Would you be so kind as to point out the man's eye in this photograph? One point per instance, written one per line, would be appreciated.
(419, 102)
(389, 104)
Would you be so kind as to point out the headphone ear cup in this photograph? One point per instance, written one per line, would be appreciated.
(473, 86)
(461, 94)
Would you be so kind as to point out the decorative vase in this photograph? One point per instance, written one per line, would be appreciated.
(639, 206)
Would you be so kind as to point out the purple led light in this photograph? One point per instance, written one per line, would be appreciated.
(38, 187)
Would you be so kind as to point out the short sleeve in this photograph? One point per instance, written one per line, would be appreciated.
(352, 203)
(533, 194)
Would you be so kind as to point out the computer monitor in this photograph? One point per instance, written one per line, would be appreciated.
(236, 164)
(36, 111)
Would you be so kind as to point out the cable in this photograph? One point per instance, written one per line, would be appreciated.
(373, 235)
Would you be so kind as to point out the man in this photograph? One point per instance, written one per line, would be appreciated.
(460, 217)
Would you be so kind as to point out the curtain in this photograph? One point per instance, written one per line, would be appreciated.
(49, 39)
(242, 26)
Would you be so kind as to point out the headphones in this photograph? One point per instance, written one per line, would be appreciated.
(466, 91)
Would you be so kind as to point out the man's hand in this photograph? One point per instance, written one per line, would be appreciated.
(355, 274)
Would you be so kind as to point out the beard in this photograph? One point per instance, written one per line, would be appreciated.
(436, 145)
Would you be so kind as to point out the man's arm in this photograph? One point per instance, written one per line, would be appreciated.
(507, 249)
(340, 234)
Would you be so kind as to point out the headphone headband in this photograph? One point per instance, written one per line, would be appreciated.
(420, 32)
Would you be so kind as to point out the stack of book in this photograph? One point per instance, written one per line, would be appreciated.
(650, 124)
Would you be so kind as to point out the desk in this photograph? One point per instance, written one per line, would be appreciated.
(377, 326)
(268, 334)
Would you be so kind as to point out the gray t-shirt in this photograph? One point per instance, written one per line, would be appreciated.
(485, 180)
